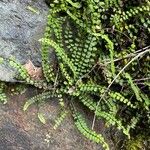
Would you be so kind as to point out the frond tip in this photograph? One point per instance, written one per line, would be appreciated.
(38, 98)
(88, 133)
(60, 119)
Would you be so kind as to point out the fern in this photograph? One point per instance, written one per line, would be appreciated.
(38, 98)
(111, 49)
(110, 118)
(84, 56)
(3, 97)
(65, 74)
(60, 119)
(60, 54)
(23, 74)
(93, 40)
(134, 87)
(118, 96)
(41, 118)
(90, 134)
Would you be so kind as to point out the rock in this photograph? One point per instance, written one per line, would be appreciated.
(23, 131)
(22, 24)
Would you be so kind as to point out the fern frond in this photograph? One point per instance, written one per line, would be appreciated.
(76, 19)
(110, 47)
(88, 133)
(65, 74)
(60, 119)
(113, 121)
(138, 93)
(112, 3)
(133, 123)
(91, 88)
(117, 96)
(38, 98)
(3, 97)
(135, 89)
(84, 56)
(41, 118)
(60, 54)
(69, 39)
(47, 67)
(23, 74)
(22, 71)
(108, 116)
(74, 4)
(120, 17)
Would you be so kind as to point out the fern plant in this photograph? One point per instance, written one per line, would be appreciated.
(75, 61)
(81, 33)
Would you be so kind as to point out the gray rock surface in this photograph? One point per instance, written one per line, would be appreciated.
(20, 29)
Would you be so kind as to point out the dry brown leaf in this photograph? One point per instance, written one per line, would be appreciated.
(34, 72)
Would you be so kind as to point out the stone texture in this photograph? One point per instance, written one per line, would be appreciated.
(20, 29)
(23, 131)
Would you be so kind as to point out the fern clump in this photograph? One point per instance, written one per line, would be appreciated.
(97, 64)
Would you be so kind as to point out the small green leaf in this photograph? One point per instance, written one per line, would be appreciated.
(27, 104)
(33, 10)
(41, 118)
(1, 60)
